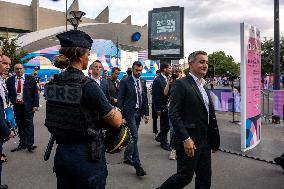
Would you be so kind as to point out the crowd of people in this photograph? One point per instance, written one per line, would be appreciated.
(84, 105)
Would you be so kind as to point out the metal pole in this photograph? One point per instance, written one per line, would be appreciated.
(66, 15)
(276, 68)
(214, 68)
(117, 51)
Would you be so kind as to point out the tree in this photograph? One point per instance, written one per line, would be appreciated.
(222, 65)
(9, 49)
(267, 56)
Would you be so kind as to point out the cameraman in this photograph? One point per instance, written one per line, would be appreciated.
(176, 74)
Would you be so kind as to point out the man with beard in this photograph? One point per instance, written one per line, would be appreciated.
(160, 101)
(133, 102)
(113, 85)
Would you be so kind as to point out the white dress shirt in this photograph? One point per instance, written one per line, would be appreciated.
(97, 80)
(20, 95)
(3, 92)
(200, 84)
(136, 89)
(164, 77)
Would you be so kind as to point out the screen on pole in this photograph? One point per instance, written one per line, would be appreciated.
(250, 86)
(165, 33)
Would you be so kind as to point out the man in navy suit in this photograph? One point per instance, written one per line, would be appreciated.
(23, 93)
(97, 67)
(133, 102)
(160, 102)
(5, 132)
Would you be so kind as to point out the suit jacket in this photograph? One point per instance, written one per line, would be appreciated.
(158, 98)
(105, 88)
(113, 90)
(189, 115)
(127, 98)
(4, 130)
(30, 92)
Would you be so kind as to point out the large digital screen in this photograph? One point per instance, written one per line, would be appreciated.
(165, 33)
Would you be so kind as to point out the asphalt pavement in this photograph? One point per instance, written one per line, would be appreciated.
(26, 170)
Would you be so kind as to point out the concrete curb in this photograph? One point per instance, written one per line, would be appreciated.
(246, 156)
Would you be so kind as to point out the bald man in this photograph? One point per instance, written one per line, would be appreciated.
(5, 132)
(23, 93)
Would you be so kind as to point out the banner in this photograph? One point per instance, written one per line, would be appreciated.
(250, 86)
(278, 102)
(223, 100)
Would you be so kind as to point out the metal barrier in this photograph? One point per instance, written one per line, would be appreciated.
(266, 105)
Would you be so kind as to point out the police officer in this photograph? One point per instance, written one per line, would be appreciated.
(75, 109)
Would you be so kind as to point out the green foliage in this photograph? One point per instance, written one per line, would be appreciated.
(222, 65)
(267, 56)
(9, 49)
(186, 71)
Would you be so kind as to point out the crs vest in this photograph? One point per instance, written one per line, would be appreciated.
(66, 113)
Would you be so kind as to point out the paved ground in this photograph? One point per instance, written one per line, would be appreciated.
(28, 171)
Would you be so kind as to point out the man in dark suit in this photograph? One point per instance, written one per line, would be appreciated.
(160, 102)
(5, 132)
(96, 75)
(133, 102)
(195, 126)
(113, 85)
(154, 113)
(23, 93)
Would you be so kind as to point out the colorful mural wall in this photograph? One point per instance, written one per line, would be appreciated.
(106, 51)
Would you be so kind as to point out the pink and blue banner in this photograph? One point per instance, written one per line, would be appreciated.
(278, 102)
(224, 100)
(251, 86)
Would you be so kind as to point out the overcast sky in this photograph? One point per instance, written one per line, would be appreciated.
(210, 25)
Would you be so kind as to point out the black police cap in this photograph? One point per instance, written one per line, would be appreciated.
(75, 38)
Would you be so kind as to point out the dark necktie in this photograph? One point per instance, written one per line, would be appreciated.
(19, 87)
(139, 94)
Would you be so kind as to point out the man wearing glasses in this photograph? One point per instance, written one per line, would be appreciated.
(195, 126)
(23, 93)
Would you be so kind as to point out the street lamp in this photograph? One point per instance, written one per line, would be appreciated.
(77, 15)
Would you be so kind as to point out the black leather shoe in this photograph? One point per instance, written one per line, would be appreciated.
(279, 161)
(4, 186)
(20, 147)
(129, 162)
(166, 147)
(31, 148)
(140, 171)
(158, 137)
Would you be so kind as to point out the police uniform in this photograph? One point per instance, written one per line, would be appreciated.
(74, 105)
